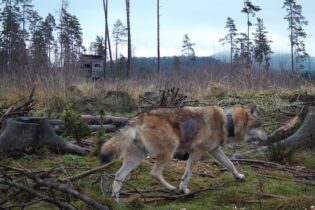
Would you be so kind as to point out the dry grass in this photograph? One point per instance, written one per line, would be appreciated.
(199, 84)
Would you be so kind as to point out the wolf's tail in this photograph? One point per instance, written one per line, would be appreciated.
(113, 148)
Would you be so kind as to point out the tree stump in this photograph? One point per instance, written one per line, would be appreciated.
(27, 134)
(304, 136)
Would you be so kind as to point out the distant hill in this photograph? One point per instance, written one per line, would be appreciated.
(278, 61)
(167, 63)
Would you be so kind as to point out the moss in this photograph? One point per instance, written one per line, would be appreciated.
(292, 202)
(309, 162)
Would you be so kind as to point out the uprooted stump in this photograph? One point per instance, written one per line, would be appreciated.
(27, 134)
(304, 136)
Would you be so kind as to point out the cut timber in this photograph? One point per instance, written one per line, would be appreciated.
(118, 121)
(108, 128)
(26, 134)
(288, 128)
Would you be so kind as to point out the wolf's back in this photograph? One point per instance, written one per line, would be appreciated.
(112, 149)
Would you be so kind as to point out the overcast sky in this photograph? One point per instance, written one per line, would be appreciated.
(203, 21)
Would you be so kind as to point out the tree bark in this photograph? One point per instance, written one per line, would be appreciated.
(29, 134)
(129, 37)
(158, 36)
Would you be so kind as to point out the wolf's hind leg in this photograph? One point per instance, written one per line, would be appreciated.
(157, 171)
(193, 159)
(130, 163)
(225, 161)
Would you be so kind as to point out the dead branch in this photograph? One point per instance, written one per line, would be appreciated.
(183, 196)
(36, 193)
(18, 108)
(285, 179)
(86, 173)
(299, 173)
(50, 185)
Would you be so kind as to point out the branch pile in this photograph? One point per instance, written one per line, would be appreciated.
(20, 188)
(166, 98)
(18, 108)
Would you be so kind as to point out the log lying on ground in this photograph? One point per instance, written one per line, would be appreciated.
(32, 133)
(301, 139)
(118, 121)
(288, 128)
(96, 120)
(107, 128)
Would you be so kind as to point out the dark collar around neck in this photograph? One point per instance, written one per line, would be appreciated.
(230, 125)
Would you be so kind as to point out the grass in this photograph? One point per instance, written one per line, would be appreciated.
(234, 194)
(239, 194)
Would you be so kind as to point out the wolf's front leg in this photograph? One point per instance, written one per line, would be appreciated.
(225, 161)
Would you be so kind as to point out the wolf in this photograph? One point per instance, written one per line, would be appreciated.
(160, 133)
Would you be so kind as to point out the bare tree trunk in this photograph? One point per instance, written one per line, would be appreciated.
(158, 36)
(129, 38)
(291, 42)
(108, 41)
(105, 35)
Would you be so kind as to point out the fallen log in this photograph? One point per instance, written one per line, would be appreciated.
(97, 119)
(107, 128)
(27, 134)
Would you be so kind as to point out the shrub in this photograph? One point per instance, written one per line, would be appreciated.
(279, 152)
(119, 101)
(73, 125)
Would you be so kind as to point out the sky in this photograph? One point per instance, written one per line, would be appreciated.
(203, 20)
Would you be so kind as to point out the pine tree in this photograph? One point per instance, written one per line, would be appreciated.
(119, 35)
(12, 45)
(297, 34)
(70, 38)
(98, 47)
(230, 37)
(262, 50)
(249, 9)
(188, 51)
(241, 52)
(48, 27)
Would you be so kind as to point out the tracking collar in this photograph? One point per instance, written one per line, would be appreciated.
(230, 125)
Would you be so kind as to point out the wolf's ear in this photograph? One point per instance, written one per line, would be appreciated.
(251, 109)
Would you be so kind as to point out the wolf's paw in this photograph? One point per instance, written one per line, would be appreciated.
(240, 177)
(171, 188)
(184, 188)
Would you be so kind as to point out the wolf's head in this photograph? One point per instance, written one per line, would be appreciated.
(254, 130)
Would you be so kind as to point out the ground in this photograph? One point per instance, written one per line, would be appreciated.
(266, 187)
